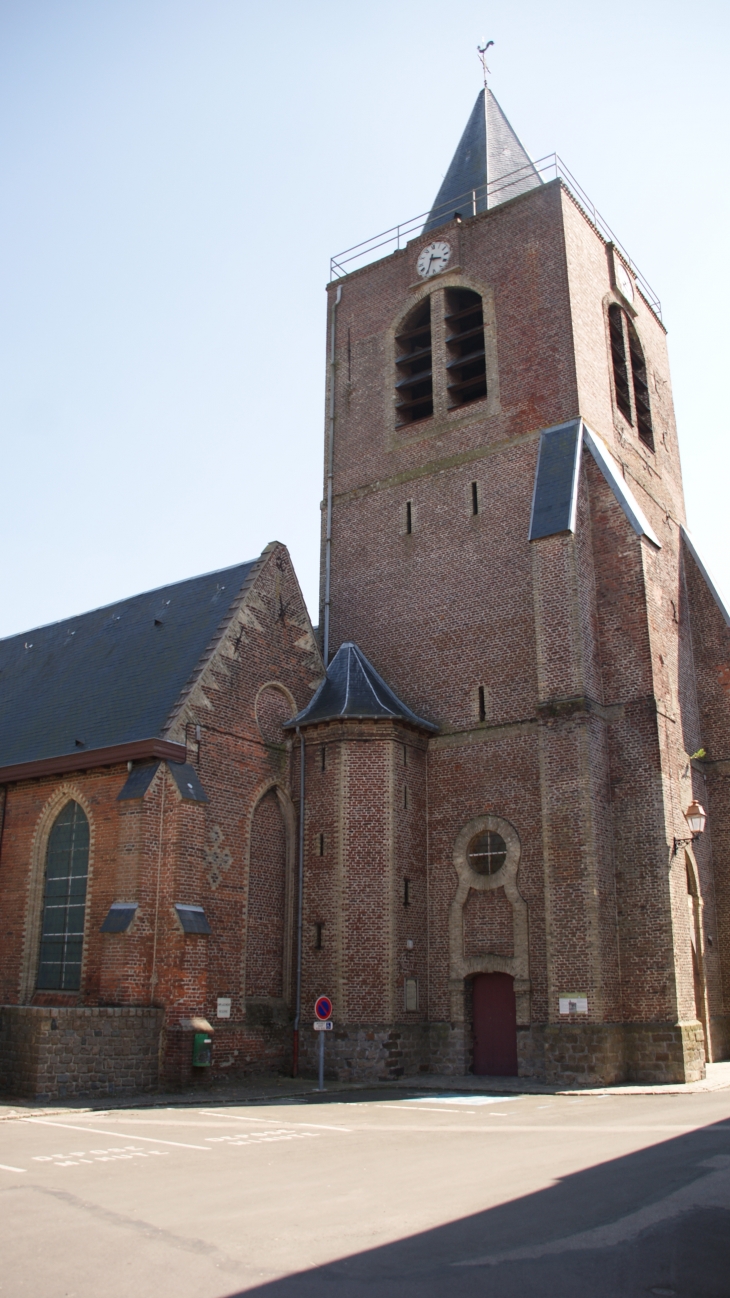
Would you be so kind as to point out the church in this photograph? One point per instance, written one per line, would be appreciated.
(483, 806)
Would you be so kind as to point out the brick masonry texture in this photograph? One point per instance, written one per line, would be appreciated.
(573, 680)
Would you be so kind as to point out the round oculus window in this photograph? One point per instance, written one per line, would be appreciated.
(487, 853)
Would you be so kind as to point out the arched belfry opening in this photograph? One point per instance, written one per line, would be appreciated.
(466, 364)
(414, 380)
(629, 374)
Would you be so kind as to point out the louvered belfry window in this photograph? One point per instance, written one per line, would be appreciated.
(629, 374)
(64, 901)
(618, 356)
(466, 364)
(641, 388)
(414, 383)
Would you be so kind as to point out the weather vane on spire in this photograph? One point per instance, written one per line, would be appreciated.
(483, 59)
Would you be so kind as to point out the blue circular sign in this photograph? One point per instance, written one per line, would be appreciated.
(323, 1007)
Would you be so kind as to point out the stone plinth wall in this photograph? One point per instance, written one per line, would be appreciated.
(367, 1052)
(605, 1054)
(50, 1052)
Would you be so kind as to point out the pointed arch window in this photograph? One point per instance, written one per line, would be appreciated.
(414, 379)
(64, 901)
(629, 374)
(466, 365)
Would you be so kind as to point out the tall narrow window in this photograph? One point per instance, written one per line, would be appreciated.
(409, 517)
(629, 374)
(482, 704)
(318, 944)
(466, 367)
(618, 356)
(64, 901)
(321, 845)
(406, 892)
(474, 498)
(414, 384)
(641, 388)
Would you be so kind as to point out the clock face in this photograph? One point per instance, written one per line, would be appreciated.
(623, 281)
(432, 259)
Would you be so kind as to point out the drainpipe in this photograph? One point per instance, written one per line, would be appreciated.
(330, 465)
(300, 901)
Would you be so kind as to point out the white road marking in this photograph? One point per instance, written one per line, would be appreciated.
(398, 1109)
(96, 1131)
(236, 1117)
(6, 1168)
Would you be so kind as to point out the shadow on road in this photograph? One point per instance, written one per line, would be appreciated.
(653, 1222)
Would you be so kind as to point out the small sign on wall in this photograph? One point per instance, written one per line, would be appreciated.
(573, 1004)
(410, 988)
(224, 1007)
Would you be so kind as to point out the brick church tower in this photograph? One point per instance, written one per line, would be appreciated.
(526, 656)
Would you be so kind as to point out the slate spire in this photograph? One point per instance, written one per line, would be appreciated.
(489, 167)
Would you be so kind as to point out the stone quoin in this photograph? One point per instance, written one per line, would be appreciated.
(519, 683)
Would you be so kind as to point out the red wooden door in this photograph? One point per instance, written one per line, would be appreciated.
(495, 1026)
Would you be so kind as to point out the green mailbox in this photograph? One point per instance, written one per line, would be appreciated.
(202, 1050)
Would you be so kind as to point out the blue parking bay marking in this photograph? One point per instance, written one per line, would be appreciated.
(470, 1100)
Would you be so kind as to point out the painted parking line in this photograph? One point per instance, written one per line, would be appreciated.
(5, 1167)
(248, 1138)
(239, 1117)
(398, 1108)
(96, 1131)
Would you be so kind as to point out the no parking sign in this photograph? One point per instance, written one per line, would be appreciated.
(323, 1008)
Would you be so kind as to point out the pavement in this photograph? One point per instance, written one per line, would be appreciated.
(275, 1087)
(434, 1189)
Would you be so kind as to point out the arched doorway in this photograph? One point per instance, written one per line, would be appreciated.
(495, 1025)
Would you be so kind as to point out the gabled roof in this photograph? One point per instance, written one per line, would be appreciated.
(555, 493)
(489, 162)
(112, 676)
(353, 688)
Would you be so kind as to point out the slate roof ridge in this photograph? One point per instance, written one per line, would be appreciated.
(126, 599)
(209, 652)
(113, 677)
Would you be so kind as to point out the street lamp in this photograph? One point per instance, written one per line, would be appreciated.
(696, 818)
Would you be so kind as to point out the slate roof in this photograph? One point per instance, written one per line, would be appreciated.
(353, 688)
(111, 676)
(555, 494)
(487, 152)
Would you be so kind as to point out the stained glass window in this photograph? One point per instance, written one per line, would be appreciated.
(64, 901)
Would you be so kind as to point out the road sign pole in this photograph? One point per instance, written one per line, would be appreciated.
(322, 1036)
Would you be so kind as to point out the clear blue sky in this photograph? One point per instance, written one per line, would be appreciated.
(174, 178)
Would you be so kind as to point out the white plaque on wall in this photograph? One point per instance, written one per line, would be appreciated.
(224, 1007)
(573, 1004)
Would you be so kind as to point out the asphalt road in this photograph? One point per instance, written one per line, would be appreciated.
(372, 1196)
